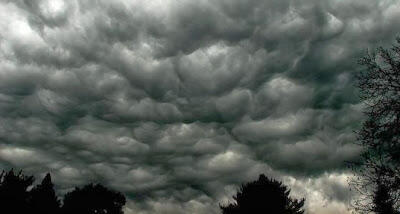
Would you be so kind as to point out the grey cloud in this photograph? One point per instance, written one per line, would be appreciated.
(175, 103)
(270, 127)
(324, 137)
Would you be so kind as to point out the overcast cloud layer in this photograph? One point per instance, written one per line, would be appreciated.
(176, 102)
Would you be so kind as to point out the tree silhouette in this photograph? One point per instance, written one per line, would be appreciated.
(14, 193)
(379, 168)
(383, 202)
(264, 195)
(43, 199)
(93, 199)
(15, 197)
(380, 90)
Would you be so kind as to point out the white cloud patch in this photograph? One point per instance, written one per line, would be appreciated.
(326, 194)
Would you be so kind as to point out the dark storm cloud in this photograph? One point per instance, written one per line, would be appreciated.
(175, 103)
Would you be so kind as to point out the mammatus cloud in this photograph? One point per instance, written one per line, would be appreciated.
(175, 103)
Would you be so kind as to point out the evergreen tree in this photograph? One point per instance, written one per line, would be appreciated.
(43, 198)
(264, 195)
(93, 199)
(16, 198)
(14, 193)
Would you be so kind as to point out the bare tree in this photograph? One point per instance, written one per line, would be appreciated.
(379, 136)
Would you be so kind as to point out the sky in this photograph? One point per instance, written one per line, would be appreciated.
(177, 102)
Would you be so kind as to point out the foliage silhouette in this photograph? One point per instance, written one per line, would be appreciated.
(383, 202)
(379, 168)
(14, 194)
(43, 199)
(93, 199)
(264, 195)
(17, 196)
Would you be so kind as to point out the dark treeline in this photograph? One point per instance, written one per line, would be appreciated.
(19, 196)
